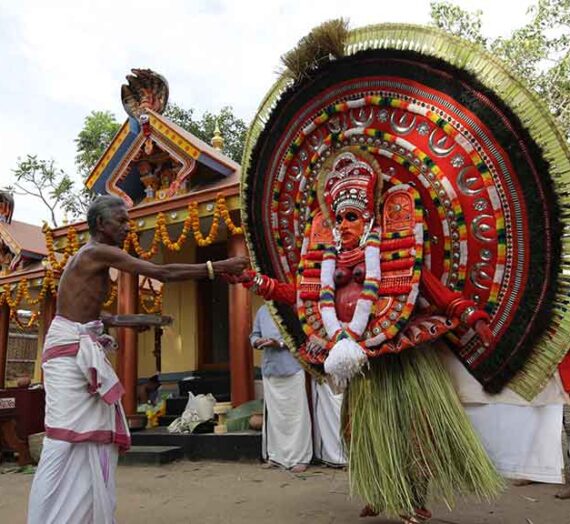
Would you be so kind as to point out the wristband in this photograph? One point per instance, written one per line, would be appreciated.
(210, 268)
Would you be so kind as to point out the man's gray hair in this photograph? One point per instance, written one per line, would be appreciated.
(102, 207)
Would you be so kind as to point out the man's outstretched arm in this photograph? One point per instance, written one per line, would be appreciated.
(115, 257)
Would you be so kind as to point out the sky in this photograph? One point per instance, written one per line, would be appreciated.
(62, 59)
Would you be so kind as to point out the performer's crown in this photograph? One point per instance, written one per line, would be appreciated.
(350, 184)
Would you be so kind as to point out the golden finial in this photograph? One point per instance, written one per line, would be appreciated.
(217, 140)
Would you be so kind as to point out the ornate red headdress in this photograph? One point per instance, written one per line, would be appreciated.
(351, 184)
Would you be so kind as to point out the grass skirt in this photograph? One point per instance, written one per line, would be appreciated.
(406, 430)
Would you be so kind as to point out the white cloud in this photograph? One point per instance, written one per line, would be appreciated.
(62, 59)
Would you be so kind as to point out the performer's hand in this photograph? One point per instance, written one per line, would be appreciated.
(231, 266)
(245, 278)
(484, 332)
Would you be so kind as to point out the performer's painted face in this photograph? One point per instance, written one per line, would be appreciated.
(351, 227)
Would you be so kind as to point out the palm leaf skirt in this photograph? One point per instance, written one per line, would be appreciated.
(406, 430)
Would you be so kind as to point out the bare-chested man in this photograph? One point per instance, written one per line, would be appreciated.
(85, 422)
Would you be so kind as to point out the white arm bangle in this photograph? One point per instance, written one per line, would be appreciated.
(210, 268)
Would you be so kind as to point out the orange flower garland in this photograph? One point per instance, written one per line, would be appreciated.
(232, 228)
(33, 321)
(112, 296)
(133, 239)
(49, 282)
(71, 247)
(155, 303)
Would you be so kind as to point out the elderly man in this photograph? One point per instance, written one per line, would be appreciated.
(287, 424)
(85, 423)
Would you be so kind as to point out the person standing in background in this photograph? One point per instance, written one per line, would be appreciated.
(286, 440)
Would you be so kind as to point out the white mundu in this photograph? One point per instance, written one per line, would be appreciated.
(327, 439)
(287, 424)
(85, 428)
(523, 439)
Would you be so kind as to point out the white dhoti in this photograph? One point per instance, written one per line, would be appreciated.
(523, 439)
(85, 428)
(287, 423)
(327, 439)
(524, 442)
(74, 484)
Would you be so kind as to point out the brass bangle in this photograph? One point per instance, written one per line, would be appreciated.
(467, 313)
(210, 268)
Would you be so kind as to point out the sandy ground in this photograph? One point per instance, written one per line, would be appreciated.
(209, 492)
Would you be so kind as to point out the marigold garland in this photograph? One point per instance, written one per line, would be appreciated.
(33, 321)
(49, 283)
(70, 248)
(112, 296)
(191, 223)
(153, 306)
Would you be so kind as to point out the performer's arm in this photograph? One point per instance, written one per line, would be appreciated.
(455, 305)
(111, 256)
(266, 287)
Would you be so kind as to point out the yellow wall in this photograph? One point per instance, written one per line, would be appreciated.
(180, 340)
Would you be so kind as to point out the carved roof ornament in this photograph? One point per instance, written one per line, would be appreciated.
(145, 90)
(6, 206)
(217, 140)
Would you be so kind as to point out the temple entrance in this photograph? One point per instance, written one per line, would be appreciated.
(213, 319)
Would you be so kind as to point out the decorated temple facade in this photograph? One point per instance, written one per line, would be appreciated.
(22, 251)
(183, 201)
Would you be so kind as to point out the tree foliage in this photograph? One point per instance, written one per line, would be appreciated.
(233, 129)
(538, 52)
(98, 130)
(456, 21)
(44, 180)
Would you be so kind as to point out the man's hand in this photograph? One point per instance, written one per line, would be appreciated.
(263, 343)
(231, 266)
(484, 332)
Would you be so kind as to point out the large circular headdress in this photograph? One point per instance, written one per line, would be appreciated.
(483, 152)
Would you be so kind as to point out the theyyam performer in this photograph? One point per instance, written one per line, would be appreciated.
(401, 200)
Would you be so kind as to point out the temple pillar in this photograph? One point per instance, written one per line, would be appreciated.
(48, 312)
(241, 354)
(4, 330)
(127, 304)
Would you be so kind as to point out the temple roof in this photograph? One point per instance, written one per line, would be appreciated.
(23, 238)
(116, 171)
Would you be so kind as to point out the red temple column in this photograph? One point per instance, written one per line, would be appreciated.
(241, 355)
(4, 330)
(127, 302)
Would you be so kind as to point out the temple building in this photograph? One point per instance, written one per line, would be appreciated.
(183, 200)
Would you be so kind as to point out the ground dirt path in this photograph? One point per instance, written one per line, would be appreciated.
(240, 493)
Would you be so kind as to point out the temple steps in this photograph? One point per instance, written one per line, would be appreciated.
(151, 455)
(206, 446)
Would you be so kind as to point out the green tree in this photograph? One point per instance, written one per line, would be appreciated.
(44, 180)
(538, 52)
(233, 129)
(99, 128)
(183, 118)
(452, 19)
